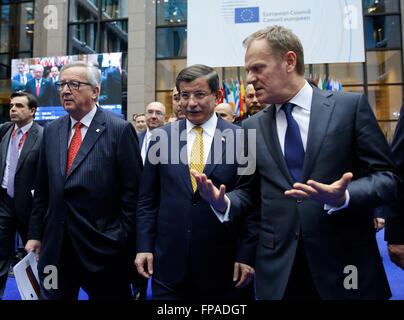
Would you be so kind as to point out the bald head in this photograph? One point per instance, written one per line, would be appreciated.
(155, 115)
(226, 112)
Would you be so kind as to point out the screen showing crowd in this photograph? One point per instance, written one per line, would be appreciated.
(39, 75)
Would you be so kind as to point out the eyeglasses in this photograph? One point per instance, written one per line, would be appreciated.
(198, 95)
(73, 85)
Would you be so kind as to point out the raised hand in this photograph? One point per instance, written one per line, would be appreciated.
(212, 195)
(331, 194)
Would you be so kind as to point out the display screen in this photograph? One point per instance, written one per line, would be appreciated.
(38, 76)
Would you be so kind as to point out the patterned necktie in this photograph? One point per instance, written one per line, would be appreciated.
(74, 146)
(294, 151)
(15, 139)
(197, 155)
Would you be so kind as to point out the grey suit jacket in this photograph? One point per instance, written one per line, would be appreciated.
(343, 137)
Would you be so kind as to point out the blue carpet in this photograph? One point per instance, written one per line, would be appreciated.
(395, 275)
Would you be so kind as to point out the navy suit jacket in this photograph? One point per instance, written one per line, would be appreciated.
(18, 77)
(141, 136)
(343, 136)
(395, 217)
(178, 226)
(46, 93)
(96, 202)
(25, 174)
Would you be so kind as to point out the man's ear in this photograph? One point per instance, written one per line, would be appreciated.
(96, 92)
(291, 60)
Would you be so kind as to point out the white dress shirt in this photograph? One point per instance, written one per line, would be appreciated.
(208, 133)
(86, 121)
(24, 130)
(301, 114)
(145, 144)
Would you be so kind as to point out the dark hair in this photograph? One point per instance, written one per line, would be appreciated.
(196, 71)
(32, 102)
(280, 40)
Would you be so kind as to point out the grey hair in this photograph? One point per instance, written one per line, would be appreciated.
(93, 74)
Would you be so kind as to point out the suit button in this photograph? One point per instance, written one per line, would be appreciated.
(297, 235)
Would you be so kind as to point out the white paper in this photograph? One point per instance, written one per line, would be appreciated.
(22, 270)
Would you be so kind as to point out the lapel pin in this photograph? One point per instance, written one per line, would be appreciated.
(98, 130)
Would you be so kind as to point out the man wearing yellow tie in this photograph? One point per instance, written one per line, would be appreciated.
(180, 241)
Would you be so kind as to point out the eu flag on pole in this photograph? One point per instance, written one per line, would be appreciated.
(247, 15)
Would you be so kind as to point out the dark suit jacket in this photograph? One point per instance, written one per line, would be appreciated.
(395, 217)
(46, 93)
(97, 201)
(179, 227)
(141, 136)
(25, 174)
(343, 137)
(18, 76)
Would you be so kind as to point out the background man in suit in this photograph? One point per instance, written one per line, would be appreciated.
(327, 153)
(22, 76)
(226, 111)
(54, 77)
(395, 218)
(252, 104)
(155, 114)
(19, 151)
(40, 87)
(85, 203)
(176, 104)
(178, 236)
(140, 122)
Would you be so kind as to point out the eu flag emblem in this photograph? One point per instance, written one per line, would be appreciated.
(246, 15)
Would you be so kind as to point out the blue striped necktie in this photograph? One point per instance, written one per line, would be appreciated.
(294, 151)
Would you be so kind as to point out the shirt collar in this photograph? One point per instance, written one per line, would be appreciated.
(208, 127)
(86, 120)
(302, 99)
(25, 128)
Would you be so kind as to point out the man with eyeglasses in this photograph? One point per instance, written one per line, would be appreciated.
(83, 216)
(180, 241)
(155, 115)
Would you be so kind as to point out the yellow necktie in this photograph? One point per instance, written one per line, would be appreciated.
(197, 155)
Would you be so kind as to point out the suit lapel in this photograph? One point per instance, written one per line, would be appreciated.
(183, 165)
(64, 131)
(210, 166)
(28, 144)
(4, 149)
(95, 131)
(270, 133)
(320, 116)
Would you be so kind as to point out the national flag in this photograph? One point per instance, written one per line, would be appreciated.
(237, 98)
(246, 15)
(329, 85)
(242, 97)
(325, 84)
(230, 97)
(220, 100)
(226, 92)
(320, 83)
